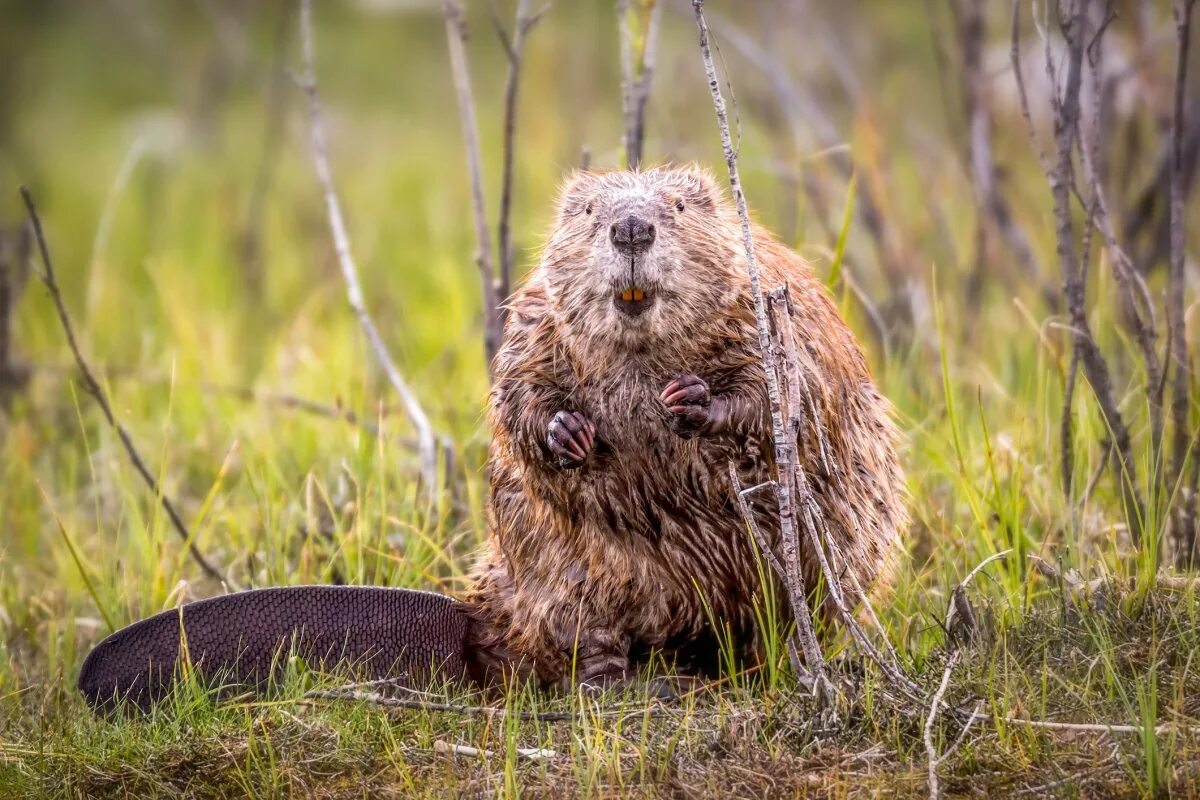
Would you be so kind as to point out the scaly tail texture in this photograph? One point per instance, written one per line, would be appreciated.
(241, 640)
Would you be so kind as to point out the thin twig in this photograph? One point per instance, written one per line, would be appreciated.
(1135, 296)
(801, 417)
(515, 47)
(94, 389)
(456, 37)
(991, 204)
(958, 600)
(636, 77)
(416, 704)
(427, 440)
(784, 448)
(935, 705)
(804, 633)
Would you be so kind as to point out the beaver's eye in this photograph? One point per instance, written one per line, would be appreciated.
(587, 209)
(679, 205)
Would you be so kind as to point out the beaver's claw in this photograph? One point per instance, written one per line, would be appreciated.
(690, 405)
(571, 438)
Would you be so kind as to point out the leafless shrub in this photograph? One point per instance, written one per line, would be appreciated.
(1077, 149)
(799, 513)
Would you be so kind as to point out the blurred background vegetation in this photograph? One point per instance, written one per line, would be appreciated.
(167, 146)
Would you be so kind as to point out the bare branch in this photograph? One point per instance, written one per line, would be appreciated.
(636, 77)
(1180, 358)
(92, 385)
(796, 593)
(1060, 176)
(427, 440)
(456, 37)
(515, 48)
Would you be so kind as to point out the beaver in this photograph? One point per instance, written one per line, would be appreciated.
(629, 377)
(629, 380)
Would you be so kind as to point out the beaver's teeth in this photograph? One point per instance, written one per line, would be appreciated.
(627, 295)
(639, 295)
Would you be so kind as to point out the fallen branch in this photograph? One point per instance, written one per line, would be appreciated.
(417, 704)
(935, 706)
(532, 753)
(427, 440)
(92, 386)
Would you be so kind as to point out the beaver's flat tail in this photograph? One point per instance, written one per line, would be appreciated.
(241, 640)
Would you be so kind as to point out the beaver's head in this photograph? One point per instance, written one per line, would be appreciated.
(638, 258)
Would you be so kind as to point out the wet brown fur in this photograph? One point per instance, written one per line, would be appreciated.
(589, 569)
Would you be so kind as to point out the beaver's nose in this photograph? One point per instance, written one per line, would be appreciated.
(631, 235)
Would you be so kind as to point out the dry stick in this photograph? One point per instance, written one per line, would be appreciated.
(93, 388)
(1178, 286)
(427, 441)
(1066, 436)
(801, 417)
(1095, 368)
(1135, 295)
(385, 701)
(532, 753)
(783, 448)
(636, 79)
(456, 36)
(515, 49)
(934, 761)
(795, 593)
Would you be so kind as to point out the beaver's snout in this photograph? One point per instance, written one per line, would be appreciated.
(631, 235)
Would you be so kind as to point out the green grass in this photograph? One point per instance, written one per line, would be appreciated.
(167, 308)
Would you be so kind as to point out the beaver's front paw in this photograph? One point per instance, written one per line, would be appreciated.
(571, 438)
(690, 405)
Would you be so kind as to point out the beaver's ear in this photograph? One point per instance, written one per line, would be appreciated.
(575, 195)
(698, 187)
